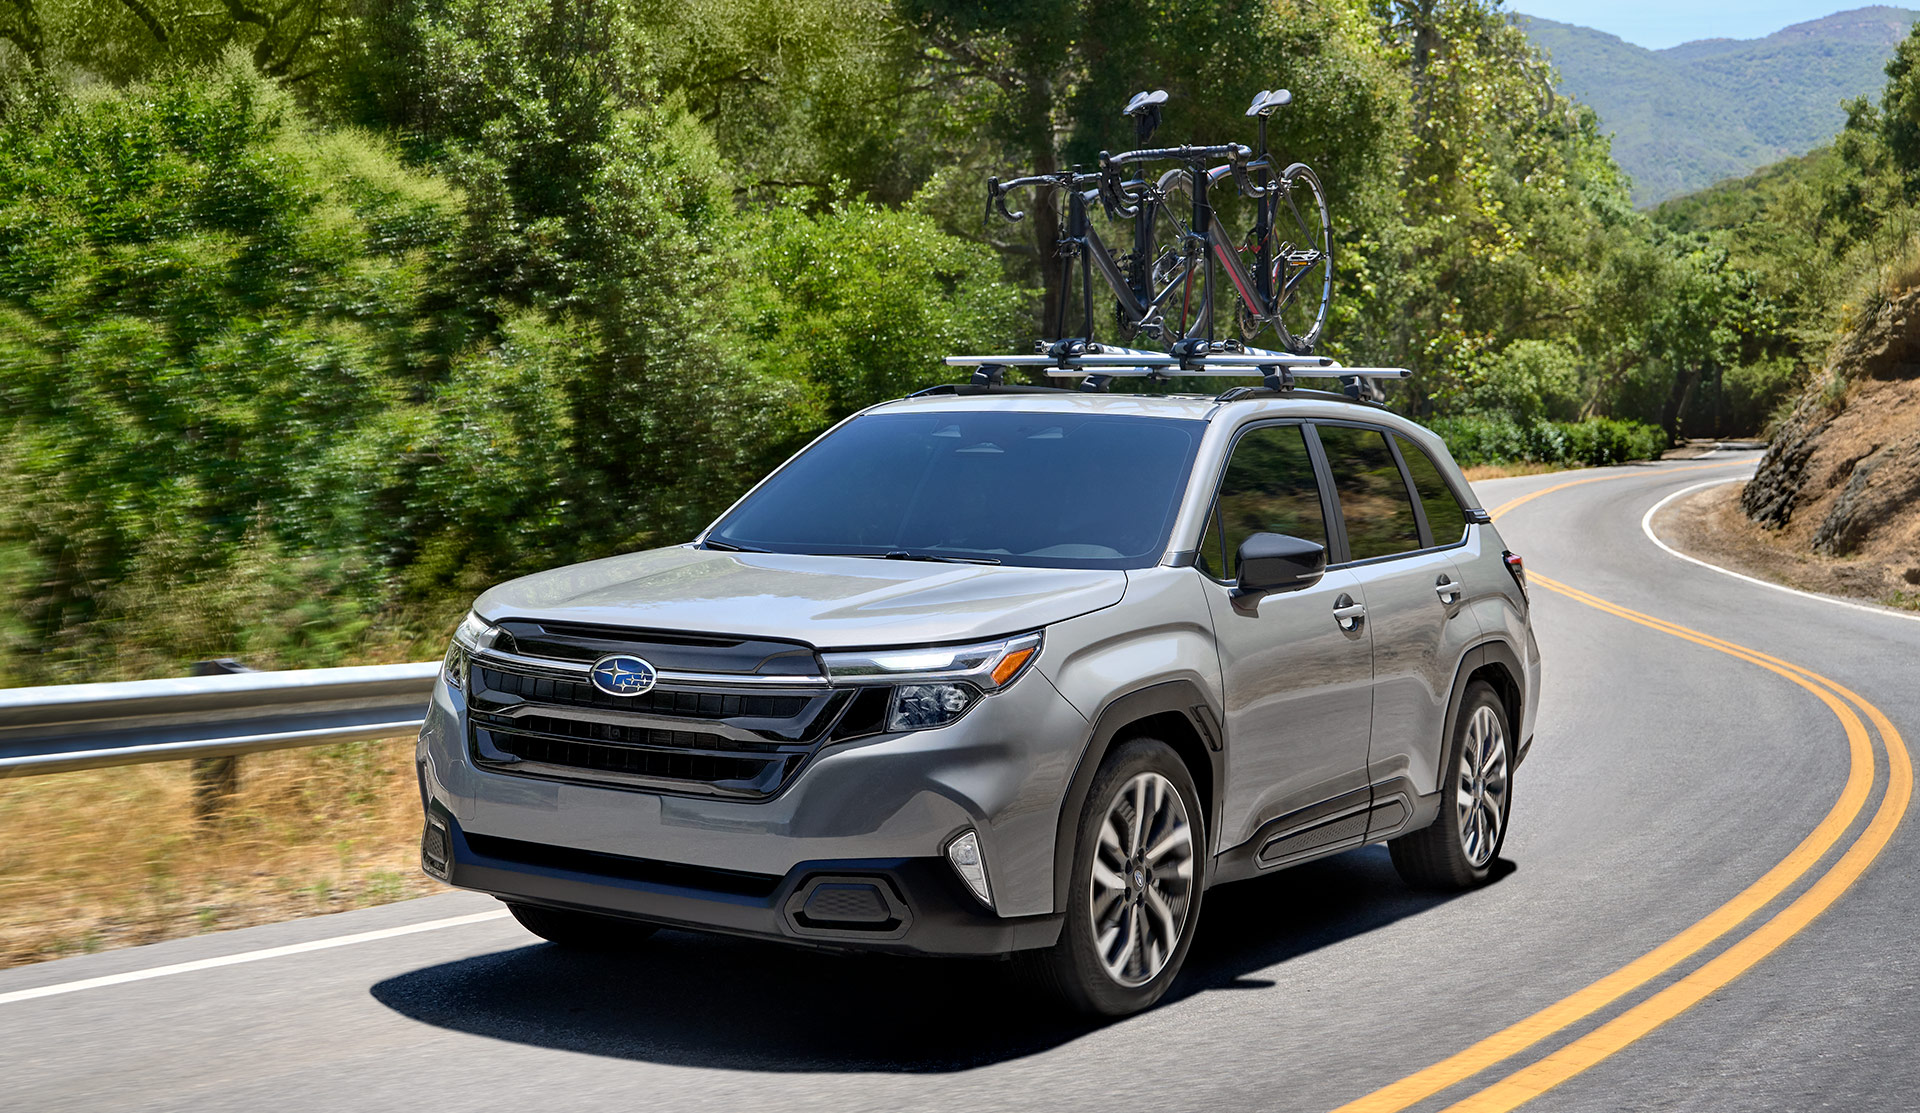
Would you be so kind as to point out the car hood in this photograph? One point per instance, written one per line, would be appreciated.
(826, 601)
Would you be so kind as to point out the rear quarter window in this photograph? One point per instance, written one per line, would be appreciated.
(1446, 518)
(1374, 503)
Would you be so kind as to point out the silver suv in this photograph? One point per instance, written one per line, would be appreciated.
(1001, 672)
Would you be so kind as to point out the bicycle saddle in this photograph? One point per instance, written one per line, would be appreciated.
(1141, 102)
(1265, 101)
(1145, 110)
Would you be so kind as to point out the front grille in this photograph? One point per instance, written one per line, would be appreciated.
(679, 704)
(523, 720)
(583, 730)
(726, 773)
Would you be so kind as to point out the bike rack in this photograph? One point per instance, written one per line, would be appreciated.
(1097, 363)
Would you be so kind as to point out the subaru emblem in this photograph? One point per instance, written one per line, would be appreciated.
(623, 674)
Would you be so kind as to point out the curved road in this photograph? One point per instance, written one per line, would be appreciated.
(1672, 774)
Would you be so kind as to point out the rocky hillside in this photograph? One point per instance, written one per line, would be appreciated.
(1842, 476)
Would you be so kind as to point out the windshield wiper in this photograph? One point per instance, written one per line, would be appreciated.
(729, 547)
(903, 554)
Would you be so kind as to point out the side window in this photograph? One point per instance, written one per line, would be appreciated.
(1373, 498)
(1445, 517)
(1269, 487)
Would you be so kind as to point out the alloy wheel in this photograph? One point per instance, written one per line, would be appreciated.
(1143, 870)
(1482, 792)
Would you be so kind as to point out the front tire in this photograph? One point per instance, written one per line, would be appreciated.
(1133, 900)
(581, 931)
(1302, 260)
(1458, 849)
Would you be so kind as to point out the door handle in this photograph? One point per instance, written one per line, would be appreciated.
(1447, 590)
(1348, 613)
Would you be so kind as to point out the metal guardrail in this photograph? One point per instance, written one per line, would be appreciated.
(63, 727)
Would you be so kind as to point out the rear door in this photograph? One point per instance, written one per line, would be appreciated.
(1415, 605)
(1297, 678)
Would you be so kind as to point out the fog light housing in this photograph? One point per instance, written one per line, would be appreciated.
(920, 706)
(963, 854)
(436, 849)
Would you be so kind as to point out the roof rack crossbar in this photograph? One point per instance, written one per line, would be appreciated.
(1097, 364)
(1108, 360)
(1237, 369)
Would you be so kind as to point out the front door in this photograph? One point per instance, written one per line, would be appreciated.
(1297, 676)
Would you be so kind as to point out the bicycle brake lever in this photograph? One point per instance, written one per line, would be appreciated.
(1240, 177)
(997, 199)
(1112, 197)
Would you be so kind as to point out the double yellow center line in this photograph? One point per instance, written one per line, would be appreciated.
(1535, 1079)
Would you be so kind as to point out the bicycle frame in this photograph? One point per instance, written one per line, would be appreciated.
(1263, 294)
(1079, 240)
(1133, 292)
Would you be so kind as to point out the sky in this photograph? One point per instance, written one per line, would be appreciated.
(1658, 24)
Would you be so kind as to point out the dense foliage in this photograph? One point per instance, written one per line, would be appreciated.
(1595, 442)
(316, 318)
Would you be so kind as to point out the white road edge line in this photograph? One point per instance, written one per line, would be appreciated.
(246, 956)
(1646, 527)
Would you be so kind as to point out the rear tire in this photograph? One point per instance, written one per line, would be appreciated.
(1457, 850)
(1133, 900)
(581, 931)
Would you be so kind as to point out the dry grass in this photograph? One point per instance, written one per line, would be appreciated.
(112, 857)
(1506, 471)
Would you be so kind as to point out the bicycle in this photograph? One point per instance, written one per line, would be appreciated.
(1144, 280)
(1292, 245)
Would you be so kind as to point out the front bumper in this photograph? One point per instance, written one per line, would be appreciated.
(1001, 771)
(902, 905)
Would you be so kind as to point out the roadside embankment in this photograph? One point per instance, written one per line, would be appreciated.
(1709, 524)
(1838, 492)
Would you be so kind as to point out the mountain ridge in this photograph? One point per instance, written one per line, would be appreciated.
(1700, 112)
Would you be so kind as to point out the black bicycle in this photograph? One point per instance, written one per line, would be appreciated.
(1288, 281)
(1151, 284)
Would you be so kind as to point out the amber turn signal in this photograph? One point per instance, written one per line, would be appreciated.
(1011, 664)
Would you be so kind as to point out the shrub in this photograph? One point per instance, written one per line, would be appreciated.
(1476, 439)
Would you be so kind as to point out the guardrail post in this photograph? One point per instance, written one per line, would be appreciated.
(215, 779)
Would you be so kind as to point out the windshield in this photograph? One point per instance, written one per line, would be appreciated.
(1052, 490)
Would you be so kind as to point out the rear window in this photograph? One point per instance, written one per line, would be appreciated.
(1051, 490)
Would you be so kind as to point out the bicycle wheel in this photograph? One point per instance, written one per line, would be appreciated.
(1302, 259)
(1181, 305)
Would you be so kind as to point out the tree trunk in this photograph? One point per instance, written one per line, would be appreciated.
(1683, 384)
(1044, 156)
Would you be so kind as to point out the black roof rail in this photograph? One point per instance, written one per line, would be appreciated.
(1242, 393)
(973, 389)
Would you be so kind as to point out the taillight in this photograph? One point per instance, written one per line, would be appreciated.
(1518, 568)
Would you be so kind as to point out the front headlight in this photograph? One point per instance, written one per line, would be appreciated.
(474, 633)
(935, 686)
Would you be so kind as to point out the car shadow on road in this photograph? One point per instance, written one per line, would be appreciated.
(709, 1001)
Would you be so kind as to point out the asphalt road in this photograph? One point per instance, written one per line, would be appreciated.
(1668, 776)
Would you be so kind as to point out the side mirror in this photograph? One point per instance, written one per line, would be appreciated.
(1276, 562)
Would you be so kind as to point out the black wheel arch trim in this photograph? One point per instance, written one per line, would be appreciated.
(1495, 652)
(1179, 696)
